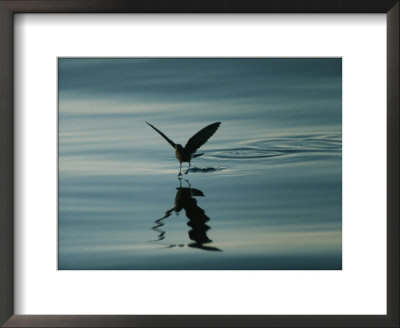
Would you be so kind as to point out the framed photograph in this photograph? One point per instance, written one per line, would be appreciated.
(199, 164)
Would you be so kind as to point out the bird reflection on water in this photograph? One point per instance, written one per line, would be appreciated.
(184, 199)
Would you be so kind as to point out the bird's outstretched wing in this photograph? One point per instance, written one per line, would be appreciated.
(201, 137)
(163, 135)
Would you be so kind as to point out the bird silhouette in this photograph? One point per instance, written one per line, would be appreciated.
(185, 154)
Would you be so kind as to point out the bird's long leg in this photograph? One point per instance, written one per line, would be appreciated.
(187, 171)
(180, 168)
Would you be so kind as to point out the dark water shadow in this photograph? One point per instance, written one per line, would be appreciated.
(185, 200)
(205, 169)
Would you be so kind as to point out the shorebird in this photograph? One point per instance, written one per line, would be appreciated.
(185, 154)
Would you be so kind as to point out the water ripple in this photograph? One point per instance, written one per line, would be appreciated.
(276, 148)
(244, 153)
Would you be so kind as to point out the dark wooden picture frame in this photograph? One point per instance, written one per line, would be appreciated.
(10, 7)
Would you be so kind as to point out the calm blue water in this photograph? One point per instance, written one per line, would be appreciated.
(267, 193)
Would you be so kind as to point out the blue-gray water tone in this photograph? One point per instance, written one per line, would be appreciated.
(267, 193)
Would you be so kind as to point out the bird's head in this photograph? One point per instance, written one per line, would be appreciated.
(178, 148)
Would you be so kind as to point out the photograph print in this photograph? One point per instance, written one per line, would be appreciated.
(199, 163)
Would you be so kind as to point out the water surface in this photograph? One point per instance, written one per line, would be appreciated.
(265, 195)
